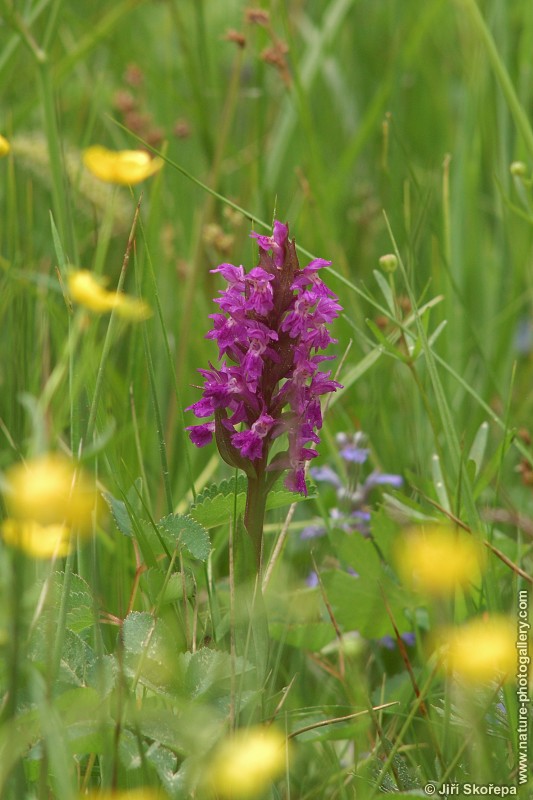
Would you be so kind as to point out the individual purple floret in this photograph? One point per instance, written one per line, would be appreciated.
(271, 323)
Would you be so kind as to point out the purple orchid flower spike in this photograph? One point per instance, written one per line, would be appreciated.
(271, 323)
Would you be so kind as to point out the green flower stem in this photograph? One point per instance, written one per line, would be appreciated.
(254, 514)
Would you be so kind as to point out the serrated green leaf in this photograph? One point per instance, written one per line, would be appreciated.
(181, 530)
(279, 496)
(218, 503)
(119, 512)
(190, 728)
(77, 658)
(154, 582)
(102, 675)
(162, 725)
(142, 634)
(225, 487)
(80, 604)
(208, 673)
(150, 652)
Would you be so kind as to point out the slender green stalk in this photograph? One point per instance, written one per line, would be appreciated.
(159, 424)
(106, 349)
(254, 515)
(53, 137)
(227, 116)
(171, 367)
(442, 405)
(15, 667)
(515, 106)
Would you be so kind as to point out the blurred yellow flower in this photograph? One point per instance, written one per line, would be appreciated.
(482, 650)
(49, 491)
(39, 541)
(436, 559)
(85, 289)
(244, 765)
(5, 147)
(125, 167)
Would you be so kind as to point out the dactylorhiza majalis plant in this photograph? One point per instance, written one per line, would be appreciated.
(272, 323)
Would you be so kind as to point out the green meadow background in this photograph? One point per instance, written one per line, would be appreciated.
(382, 127)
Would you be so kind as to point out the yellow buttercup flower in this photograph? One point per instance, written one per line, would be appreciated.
(86, 290)
(244, 765)
(437, 559)
(5, 147)
(39, 541)
(49, 490)
(482, 650)
(125, 167)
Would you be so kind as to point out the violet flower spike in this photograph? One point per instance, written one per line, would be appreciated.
(270, 325)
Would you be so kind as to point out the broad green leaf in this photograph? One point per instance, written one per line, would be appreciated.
(79, 708)
(208, 673)
(77, 657)
(102, 674)
(358, 603)
(162, 725)
(217, 503)
(358, 553)
(154, 581)
(181, 530)
(188, 729)
(80, 603)
(150, 652)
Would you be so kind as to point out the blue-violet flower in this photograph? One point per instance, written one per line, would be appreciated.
(353, 497)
